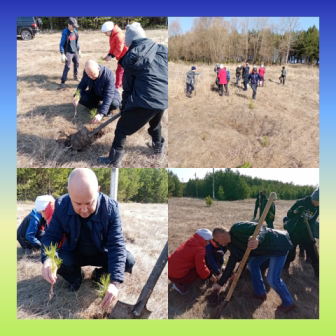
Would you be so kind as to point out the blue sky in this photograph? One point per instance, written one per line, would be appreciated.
(299, 176)
(305, 22)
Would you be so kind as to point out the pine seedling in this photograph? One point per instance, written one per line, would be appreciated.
(77, 96)
(93, 113)
(265, 141)
(103, 285)
(208, 201)
(251, 104)
(51, 254)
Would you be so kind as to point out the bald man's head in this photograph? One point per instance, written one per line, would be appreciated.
(92, 69)
(83, 190)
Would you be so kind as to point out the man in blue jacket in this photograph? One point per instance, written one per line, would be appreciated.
(145, 93)
(98, 85)
(254, 78)
(91, 224)
(70, 50)
(270, 245)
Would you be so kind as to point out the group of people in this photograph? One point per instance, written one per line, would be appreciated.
(142, 73)
(86, 226)
(202, 256)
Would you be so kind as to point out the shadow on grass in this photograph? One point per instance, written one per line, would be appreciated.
(50, 83)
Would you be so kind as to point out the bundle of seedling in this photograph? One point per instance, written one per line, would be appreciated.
(103, 284)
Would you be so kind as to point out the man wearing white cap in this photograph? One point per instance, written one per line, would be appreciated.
(118, 48)
(145, 93)
(32, 228)
(187, 263)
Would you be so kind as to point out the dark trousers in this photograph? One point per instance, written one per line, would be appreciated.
(254, 88)
(26, 244)
(256, 207)
(262, 80)
(227, 87)
(70, 58)
(221, 89)
(190, 87)
(90, 100)
(72, 261)
(237, 80)
(308, 246)
(184, 282)
(270, 223)
(132, 120)
(282, 79)
(245, 83)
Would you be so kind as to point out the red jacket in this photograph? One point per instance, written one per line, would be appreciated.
(117, 43)
(262, 71)
(49, 211)
(189, 255)
(222, 76)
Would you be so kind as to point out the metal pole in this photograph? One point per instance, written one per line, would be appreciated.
(114, 183)
(213, 183)
(196, 185)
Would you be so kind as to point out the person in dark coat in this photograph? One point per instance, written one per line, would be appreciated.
(91, 224)
(33, 226)
(238, 74)
(270, 245)
(190, 81)
(259, 204)
(254, 78)
(245, 75)
(145, 93)
(214, 256)
(271, 213)
(296, 227)
(97, 85)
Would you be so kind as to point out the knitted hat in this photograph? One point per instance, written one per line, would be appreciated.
(134, 31)
(41, 202)
(315, 195)
(73, 22)
(193, 68)
(205, 234)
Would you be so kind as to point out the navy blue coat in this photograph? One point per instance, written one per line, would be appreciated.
(103, 87)
(105, 225)
(145, 82)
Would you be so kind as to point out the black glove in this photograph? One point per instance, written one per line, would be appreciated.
(111, 55)
(299, 210)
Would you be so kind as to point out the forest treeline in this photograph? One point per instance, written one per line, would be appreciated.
(231, 185)
(142, 185)
(256, 40)
(94, 22)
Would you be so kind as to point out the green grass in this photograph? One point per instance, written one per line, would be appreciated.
(246, 165)
(265, 141)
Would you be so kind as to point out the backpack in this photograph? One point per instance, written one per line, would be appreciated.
(228, 74)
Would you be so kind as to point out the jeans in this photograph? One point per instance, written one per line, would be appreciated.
(91, 101)
(190, 87)
(245, 83)
(220, 89)
(237, 80)
(132, 120)
(254, 88)
(262, 81)
(71, 57)
(227, 88)
(273, 276)
(72, 261)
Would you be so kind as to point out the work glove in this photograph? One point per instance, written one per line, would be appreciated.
(63, 58)
(79, 53)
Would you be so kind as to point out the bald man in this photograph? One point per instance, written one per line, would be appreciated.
(98, 85)
(91, 224)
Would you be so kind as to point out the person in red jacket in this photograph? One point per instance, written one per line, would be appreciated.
(222, 79)
(262, 72)
(118, 48)
(187, 263)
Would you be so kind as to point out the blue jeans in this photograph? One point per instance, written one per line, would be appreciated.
(190, 87)
(273, 276)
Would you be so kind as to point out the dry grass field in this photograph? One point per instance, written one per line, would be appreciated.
(45, 114)
(145, 232)
(186, 215)
(282, 130)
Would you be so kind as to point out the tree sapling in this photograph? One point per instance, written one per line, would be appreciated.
(103, 284)
(93, 113)
(77, 96)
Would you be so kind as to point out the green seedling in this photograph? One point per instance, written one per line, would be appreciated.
(77, 96)
(103, 285)
(208, 201)
(204, 137)
(245, 165)
(265, 141)
(93, 113)
(251, 104)
(51, 254)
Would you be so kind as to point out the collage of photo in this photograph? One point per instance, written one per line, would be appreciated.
(126, 213)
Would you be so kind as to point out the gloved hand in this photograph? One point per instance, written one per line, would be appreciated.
(63, 58)
(79, 53)
(299, 210)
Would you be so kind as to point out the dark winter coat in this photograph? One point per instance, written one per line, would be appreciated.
(105, 225)
(246, 73)
(254, 78)
(103, 87)
(145, 82)
(210, 251)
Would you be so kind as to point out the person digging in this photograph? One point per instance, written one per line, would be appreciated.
(97, 90)
(270, 246)
(254, 78)
(91, 223)
(298, 232)
(145, 93)
(70, 50)
(118, 48)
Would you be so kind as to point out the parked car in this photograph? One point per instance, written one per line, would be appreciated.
(28, 26)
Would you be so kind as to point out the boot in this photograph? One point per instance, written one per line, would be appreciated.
(75, 286)
(61, 86)
(157, 147)
(113, 159)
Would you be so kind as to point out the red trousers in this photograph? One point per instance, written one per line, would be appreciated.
(119, 76)
(184, 282)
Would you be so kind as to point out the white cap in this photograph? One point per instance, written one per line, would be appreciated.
(41, 202)
(107, 26)
(206, 234)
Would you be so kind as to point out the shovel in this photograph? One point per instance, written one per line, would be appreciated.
(224, 303)
(124, 310)
(83, 138)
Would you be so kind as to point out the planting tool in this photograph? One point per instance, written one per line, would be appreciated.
(84, 137)
(304, 214)
(224, 303)
(124, 310)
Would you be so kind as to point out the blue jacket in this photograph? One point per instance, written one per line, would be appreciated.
(30, 227)
(228, 74)
(145, 82)
(254, 78)
(103, 86)
(210, 251)
(105, 225)
(65, 33)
